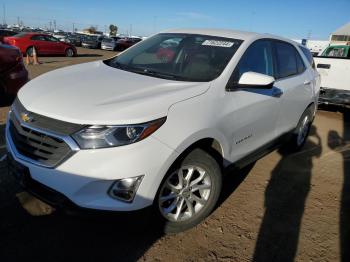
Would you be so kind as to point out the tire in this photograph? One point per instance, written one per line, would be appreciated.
(69, 52)
(301, 132)
(182, 205)
(29, 51)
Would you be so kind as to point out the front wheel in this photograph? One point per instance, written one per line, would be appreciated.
(29, 51)
(69, 52)
(189, 192)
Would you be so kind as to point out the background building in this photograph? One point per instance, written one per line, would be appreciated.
(341, 35)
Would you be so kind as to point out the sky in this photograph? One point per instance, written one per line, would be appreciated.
(296, 19)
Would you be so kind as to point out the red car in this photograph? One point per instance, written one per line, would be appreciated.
(44, 44)
(125, 43)
(13, 74)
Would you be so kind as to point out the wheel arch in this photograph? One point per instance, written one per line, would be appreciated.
(209, 144)
(313, 108)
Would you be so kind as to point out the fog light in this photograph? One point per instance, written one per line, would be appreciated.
(125, 189)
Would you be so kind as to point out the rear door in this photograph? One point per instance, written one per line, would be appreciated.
(296, 83)
(40, 44)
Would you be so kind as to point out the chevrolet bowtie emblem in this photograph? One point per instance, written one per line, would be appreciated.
(26, 117)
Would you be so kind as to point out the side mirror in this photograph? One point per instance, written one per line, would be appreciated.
(256, 80)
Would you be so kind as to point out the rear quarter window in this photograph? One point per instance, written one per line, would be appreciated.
(286, 60)
(308, 56)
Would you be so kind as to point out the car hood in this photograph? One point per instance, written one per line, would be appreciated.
(95, 93)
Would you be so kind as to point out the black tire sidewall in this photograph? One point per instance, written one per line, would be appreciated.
(29, 51)
(200, 158)
(293, 145)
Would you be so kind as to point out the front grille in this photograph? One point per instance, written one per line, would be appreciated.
(39, 147)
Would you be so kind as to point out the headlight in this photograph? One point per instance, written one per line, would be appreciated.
(111, 136)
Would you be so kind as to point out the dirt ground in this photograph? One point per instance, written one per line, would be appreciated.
(284, 208)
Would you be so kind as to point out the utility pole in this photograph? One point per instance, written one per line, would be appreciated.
(130, 32)
(309, 34)
(73, 28)
(18, 20)
(155, 24)
(54, 24)
(50, 25)
(4, 14)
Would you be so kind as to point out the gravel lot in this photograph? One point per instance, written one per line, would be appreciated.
(283, 208)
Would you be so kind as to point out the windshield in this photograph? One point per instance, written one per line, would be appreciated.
(90, 38)
(336, 52)
(183, 57)
(108, 40)
(19, 35)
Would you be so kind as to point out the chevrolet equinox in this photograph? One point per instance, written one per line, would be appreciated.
(157, 124)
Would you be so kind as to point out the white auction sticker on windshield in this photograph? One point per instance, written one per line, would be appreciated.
(218, 43)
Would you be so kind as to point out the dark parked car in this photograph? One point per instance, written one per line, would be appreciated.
(125, 43)
(4, 33)
(13, 74)
(92, 41)
(43, 43)
(73, 39)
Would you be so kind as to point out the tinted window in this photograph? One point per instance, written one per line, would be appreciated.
(308, 55)
(51, 38)
(38, 38)
(286, 60)
(300, 64)
(7, 33)
(257, 58)
(183, 57)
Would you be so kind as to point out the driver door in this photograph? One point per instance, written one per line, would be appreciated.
(250, 113)
(54, 46)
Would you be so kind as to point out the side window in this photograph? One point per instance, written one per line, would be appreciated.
(51, 39)
(300, 64)
(257, 58)
(286, 60)
(308, 55)
(38, 38)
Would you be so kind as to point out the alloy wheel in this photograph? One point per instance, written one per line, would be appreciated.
(184, 194)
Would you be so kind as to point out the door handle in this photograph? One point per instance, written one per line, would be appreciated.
(276, 92)
(307, 82)
(325, 66)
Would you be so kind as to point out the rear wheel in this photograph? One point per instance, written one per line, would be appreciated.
(301, 132)
(69, 52)
(189, 192)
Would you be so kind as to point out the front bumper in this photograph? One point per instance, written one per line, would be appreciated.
(89, 45)
(106, 47)
(85, 178)
(334, 97)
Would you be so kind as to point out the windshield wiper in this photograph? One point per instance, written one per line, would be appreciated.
(146, 71)
(150, 72)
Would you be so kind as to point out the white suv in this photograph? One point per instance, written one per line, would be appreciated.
(156, 125)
